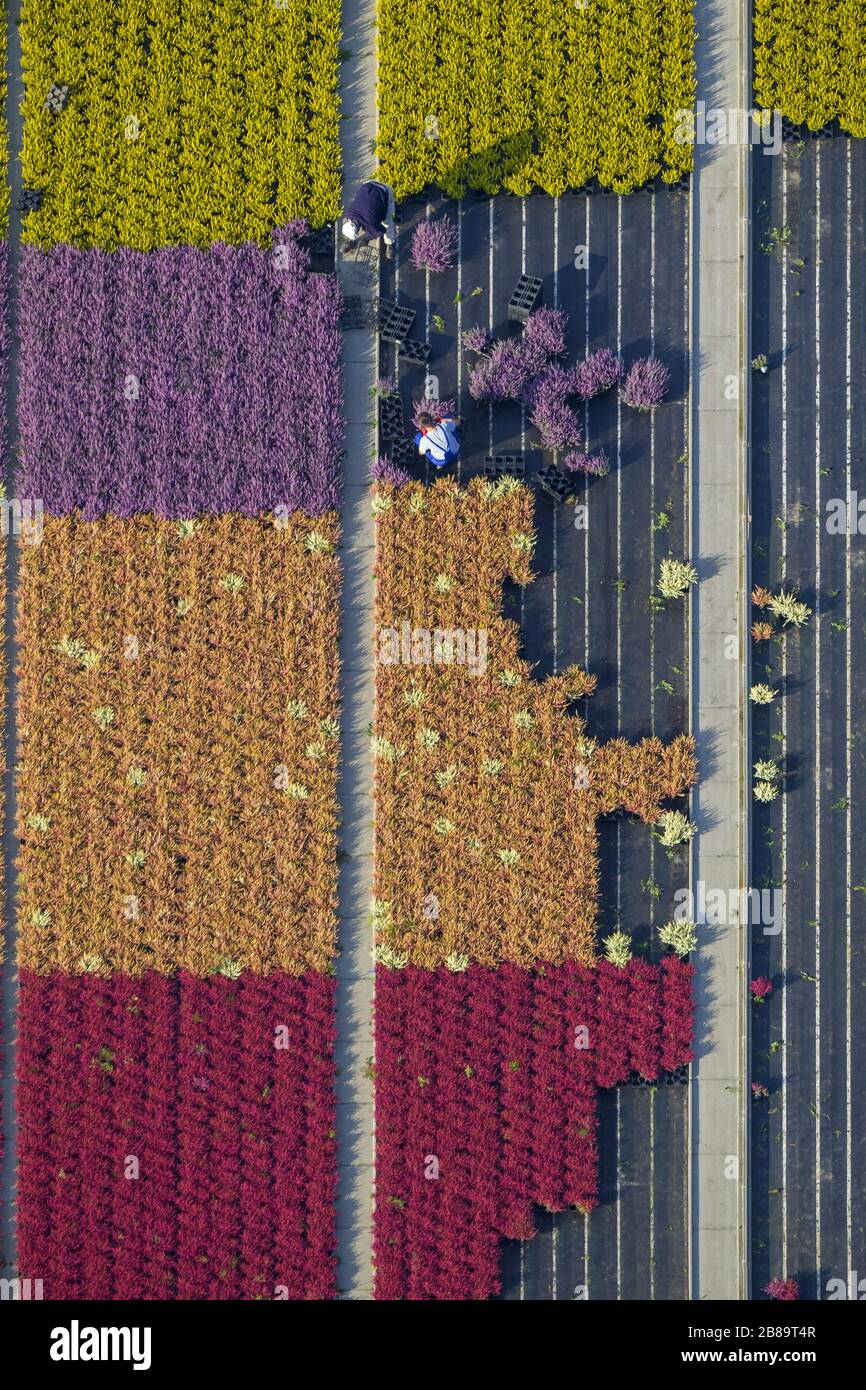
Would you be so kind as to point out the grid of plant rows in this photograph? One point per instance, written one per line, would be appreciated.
(180, 410)
(533, 94)
(185, 121)
(486, 1078)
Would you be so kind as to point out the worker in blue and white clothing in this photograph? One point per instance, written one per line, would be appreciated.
(371, 214)
(437, 439)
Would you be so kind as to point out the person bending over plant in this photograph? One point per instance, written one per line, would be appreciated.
(437, 439)
(370, 215)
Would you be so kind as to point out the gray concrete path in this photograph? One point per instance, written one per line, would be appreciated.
(719, 1096)
(355, 963)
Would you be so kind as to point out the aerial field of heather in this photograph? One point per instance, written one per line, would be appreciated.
(580, 93)
(186, 123)
(432, 729)
(183, 676)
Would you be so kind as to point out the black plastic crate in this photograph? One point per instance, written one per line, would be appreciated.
(319, 241)
(554, 482)
(358, 312)
(498, 466)
(30, 200)
(391, 424)
(365, 260)
(680, 1077)
(403, 451)
(525, 298)
(395, 320)
(411, 351)
(58, 96)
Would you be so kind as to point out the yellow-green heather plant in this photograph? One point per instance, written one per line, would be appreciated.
(196, 122)
(535, 93)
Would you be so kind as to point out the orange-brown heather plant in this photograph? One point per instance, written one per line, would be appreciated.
(762, 632)
(177, 789)
(488, 786)
(761, 597)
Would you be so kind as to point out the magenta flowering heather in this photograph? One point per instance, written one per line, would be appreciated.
(596, 373)
(760, 989)
(782, 1290)
(434, 245)
(479, 1067)
(646, 383)
(234, 1136)
(180, 381)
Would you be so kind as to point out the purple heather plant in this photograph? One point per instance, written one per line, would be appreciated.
(646, 383)
(596, 373)
(544, 334)
(503, 375)
(385, 386)
(440, 409)
(547, 397)
(475, 339)
(4, 354)
(594, 465)
(385, 470)
(180, 381)
(434, 245)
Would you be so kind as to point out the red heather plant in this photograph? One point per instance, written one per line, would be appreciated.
(646, 384)
(485, 1071)
(434, 245)
(596, 373)
(235, 1136)
(760, 989)
(782, 1290)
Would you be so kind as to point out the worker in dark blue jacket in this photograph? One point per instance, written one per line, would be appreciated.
(371, 214)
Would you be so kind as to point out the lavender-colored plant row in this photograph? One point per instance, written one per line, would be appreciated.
(180, 380)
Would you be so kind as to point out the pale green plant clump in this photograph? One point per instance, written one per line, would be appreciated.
(674, 828)
(681, 936)
(762, 694)
(787, 606)
(766, 770)
(765, 791)
(676, 577)
(617, 948)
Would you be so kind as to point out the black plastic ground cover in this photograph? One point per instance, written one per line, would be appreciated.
(589, 604)
(809, 1137)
